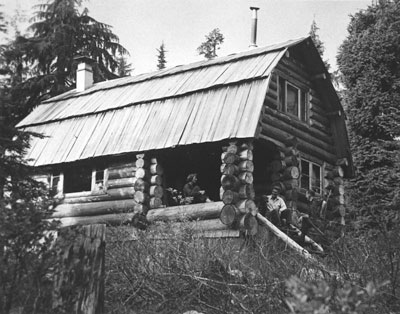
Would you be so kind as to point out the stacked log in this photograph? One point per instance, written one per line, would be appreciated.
(237, 191)
(141, 186)
(156, 190)
(120, 181)
(285, 173)
(334, 181)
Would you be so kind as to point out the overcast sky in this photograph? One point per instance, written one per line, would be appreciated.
(182, 24)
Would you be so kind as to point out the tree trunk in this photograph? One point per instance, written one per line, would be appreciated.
(79, 283)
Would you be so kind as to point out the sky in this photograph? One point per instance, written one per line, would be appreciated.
(142, 25)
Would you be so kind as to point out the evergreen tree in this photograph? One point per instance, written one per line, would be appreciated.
(25, 252)
(212, 43)
(369, 60)
(161, 57)
(124, 68)
(62, 31)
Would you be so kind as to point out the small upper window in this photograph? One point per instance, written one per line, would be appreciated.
(311, 176)
(293, 100)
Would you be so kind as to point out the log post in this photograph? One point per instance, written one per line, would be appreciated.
(334, 185)
(142, 174)
(237, 191)
(156, 190)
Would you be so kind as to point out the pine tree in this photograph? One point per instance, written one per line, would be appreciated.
(161, 57)
(369, 60)
(124, 68)
(212, 43)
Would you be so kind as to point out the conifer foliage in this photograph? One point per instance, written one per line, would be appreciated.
(161, 57)
(369, 60)
(62, 30)
(209, 47)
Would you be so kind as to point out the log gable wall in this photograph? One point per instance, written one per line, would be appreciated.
(315, 137)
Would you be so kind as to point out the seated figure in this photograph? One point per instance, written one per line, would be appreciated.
(276, 208)
(192, 192)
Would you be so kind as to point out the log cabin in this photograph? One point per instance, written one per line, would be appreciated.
(244, 123)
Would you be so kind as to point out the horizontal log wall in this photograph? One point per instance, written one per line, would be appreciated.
(315, 137)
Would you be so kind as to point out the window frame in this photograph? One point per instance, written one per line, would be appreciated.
(93, 189)
(302, 96)
(310, 170)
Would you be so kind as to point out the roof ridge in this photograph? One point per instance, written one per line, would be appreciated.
(178, 69)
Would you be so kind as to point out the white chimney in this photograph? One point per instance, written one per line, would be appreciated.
(253, 38)
(84, 74)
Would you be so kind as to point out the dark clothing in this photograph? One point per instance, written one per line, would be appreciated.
(281, 219)
(191, 190)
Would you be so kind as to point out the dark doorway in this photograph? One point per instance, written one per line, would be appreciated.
(203, 159)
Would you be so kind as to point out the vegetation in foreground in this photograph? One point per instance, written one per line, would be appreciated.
(174, 271)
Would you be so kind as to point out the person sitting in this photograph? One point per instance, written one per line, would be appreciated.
(276, 208)
(192, 192)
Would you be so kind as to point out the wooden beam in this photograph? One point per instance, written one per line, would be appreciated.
(282, 236)
(110, 219)
(186, 212)
(94, 208)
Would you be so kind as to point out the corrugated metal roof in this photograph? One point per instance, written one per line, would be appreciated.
(201, 102)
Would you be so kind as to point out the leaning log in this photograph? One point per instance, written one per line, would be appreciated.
(186, 212)
(279, 234)
(96, 208)
(308, 240)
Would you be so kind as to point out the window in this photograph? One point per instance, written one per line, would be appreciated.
(56, 183)
(98, 177)
(293, 100)
(311, 176)
(78, 179)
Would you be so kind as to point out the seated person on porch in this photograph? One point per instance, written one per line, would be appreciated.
(276, 208)
(192, 192)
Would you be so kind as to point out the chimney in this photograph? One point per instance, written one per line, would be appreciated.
(84, 74)
(253, 38)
